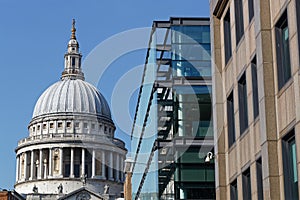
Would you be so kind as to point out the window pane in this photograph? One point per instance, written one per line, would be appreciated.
(246, 185)
(227, 37)
(282, 51)
(243, 110)
(259, 179)
(230, 119)
(239, 20)
(294, 160)
(193, 111)
(184, 34)
(192, 68)
(191, 52)
(254, 88)
(251, 9)
(233, 191)
(290, 172)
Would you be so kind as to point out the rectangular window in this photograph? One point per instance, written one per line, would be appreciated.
(290, 172)
(246, 185)
(59, 124)
(251, 9)
(243, 110)
(227, 37)
(230, 119)
(233, 191)
(77, 170)
(282, 50)
(68, 124)
(85, 125)
(254, 88)
(259, 180)
(67, 170)
(239, 20)
(73, 62)
(192, 107)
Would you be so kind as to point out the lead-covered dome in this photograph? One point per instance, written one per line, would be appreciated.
(72, 96)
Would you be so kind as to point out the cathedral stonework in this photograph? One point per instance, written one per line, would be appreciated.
(71, 151)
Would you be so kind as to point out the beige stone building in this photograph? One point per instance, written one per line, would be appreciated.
(255, 49)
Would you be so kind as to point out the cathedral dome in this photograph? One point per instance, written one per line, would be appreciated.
(71, 148)
(72, 96)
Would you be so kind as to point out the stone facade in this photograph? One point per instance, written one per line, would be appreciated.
(279, 112)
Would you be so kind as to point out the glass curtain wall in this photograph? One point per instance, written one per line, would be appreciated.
(191, 51)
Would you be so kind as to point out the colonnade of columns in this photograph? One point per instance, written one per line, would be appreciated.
(61, 162)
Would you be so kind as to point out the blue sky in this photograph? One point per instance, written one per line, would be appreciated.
(33, 39)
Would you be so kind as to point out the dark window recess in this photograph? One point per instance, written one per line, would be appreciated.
(290, 172)
(239, 20)
(230, 119)
(246, 178)
(73, 62)
(67, 170)
(227, 37)
(283, 50)
(254, 88)
(233, 191)
(77, 170)
(243, 110)
(250, 9)
(259, 180)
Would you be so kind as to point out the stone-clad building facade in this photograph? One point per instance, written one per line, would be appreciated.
(255, 49)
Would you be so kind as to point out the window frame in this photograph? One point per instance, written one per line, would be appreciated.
(233, 188)
(259, 179)
(251, 9)
(282, 49)
(290, 189)
(246, 181)
(239, 20)
(255, 98)
(230, 119)
(227, 36)
(243, 103)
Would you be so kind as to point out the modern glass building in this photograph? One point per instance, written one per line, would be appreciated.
(172, 134)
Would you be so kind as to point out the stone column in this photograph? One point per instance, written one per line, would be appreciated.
(25, 166)
(41, 165)
(17, 168)
(103, 164)
(93, 164)
(117, 167)
(50, 162)
(83, 162)
(61, 154)
(32, 164)
(111, 166)
(72, 163)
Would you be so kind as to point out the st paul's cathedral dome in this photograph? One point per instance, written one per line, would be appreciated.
(71, 151)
